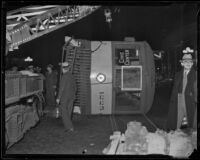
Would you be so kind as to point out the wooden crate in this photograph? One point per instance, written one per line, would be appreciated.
(34, 84)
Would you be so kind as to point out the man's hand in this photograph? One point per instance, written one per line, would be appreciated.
(57, 101)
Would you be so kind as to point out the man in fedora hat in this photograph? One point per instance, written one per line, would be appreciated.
(50, 88)
(31, 68)
(182, 106)
(66, 96)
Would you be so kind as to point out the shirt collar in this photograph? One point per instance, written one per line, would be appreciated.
(187, 71)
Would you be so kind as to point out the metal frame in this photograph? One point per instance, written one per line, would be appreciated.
(33, 22)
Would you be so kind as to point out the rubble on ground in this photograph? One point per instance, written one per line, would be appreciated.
(138, 141)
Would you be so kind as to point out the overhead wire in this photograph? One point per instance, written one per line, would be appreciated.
(97, 47)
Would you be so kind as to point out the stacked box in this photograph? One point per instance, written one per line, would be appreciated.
(33, 84)
(12, 85)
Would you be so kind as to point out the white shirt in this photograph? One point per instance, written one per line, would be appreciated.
(187, 71)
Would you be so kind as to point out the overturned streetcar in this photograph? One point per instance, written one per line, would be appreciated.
(113, 77)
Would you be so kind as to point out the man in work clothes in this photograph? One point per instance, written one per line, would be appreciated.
(182, 104)
(66, 96)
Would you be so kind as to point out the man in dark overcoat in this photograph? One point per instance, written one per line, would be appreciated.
(182, 104)
(66, 96)
(50, 87)
(195, 99)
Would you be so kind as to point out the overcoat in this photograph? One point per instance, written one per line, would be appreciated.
(66, 94)
(50, 84)
(67, 88)
(189, 99)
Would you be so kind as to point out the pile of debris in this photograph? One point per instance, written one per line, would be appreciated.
(138, 141)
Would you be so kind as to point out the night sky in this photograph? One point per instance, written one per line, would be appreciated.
(163, 27)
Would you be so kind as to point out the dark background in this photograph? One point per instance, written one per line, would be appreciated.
(166, 26)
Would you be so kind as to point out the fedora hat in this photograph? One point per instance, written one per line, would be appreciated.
(50, 65)
(64, 64)
(187, 57)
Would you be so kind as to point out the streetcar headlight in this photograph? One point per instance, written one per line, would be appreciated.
(101, 78)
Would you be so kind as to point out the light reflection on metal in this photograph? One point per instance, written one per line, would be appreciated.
(107, 14)
(92, 75)
(158, 54)
(28, 59)
(41, 7)
(8, 38)
(34, 22)
(137, 52)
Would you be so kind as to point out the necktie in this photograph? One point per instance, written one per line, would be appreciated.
(184, 122)
(182, 115)
(184, 81)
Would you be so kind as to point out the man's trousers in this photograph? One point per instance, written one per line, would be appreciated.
(66, 107)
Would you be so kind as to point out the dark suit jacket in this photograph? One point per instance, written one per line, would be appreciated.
(67, 88)
(189, 99)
